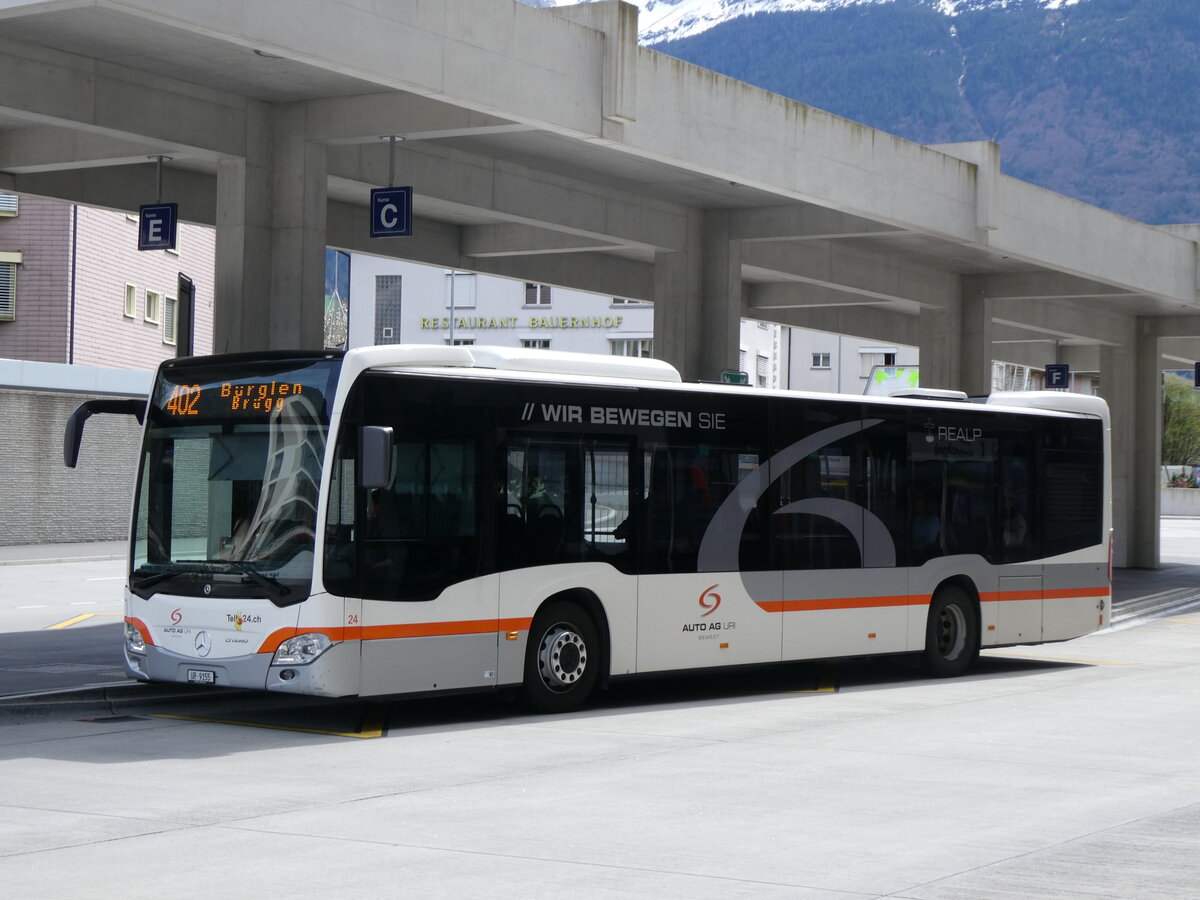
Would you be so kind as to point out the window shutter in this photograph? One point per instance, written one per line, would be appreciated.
(8, 291)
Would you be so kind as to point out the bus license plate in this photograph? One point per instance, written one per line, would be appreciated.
(202, 676)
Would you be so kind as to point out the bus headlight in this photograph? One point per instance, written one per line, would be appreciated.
(134, 642)
(301, 649)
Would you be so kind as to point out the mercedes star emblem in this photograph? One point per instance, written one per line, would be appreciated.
(203, 643)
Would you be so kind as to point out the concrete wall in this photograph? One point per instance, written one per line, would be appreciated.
(1180, 502)
(43, 500)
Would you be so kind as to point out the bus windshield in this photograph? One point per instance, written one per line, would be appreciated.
(229, 478)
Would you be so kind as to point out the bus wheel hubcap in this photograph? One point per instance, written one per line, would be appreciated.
(562, 658)
(952, 632)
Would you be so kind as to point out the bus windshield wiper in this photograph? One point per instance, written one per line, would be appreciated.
(274, 585)
(146, 579)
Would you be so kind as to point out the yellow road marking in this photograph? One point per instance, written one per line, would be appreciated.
(70, 622)
(1183, 622)
(824, 686)
(372, 727)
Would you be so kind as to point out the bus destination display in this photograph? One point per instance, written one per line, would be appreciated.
(229, 397)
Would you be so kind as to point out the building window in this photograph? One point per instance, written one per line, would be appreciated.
(170, 320)
(8, 291)
(460, 290)
(643, 347)
(762, 371)
(153, 306)
(870, 357)
(460, 342)
(622, 301)
(821, 361)
(388, 297)
(130, 301)
(537, 294)
(535, 343)
(8, 204)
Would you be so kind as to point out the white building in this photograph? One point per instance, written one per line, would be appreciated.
(393, 302)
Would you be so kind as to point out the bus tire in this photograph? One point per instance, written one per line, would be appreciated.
(562, 659)
(951, 633)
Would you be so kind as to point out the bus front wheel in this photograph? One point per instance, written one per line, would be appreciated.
(561, 660)
(951, 633)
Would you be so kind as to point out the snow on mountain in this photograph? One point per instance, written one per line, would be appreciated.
(667, 20)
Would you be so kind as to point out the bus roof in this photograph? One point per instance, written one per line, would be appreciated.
(550, 363)
(513, 359)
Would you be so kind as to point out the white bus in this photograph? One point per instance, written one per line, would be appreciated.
(416, 519)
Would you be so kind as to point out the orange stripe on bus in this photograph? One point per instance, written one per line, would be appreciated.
(824, 603)
(391, 632)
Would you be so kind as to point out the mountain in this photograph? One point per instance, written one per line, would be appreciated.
(670, 20)
(1095, 99)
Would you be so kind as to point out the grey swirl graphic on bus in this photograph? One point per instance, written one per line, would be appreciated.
(719, 547)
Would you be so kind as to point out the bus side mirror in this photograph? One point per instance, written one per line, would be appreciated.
(73, 433)
(375, 456)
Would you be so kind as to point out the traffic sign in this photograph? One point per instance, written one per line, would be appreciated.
(1058, 375)
(391, 212)
(158, 224)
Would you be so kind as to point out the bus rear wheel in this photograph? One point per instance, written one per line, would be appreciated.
(561, 659)
(951, 633)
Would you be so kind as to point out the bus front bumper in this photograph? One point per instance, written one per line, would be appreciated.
(333, 674)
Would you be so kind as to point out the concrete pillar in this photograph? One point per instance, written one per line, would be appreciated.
(677, 323)
(299, 202)
(271, 209)
(1147, 448)
(975, 342)
(241, 315)
(1117, 377)
(721, 301)
(940, 347)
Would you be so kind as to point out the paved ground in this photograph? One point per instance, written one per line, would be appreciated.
(1069, 770)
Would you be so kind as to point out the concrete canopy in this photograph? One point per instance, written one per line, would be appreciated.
(545, 144)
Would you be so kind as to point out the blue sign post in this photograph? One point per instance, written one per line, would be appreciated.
(1058, 376)
(158, 224)
(391, 212)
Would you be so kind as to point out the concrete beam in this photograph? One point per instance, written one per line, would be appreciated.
(1073, 320)
(523, 240)
(1049, 286)
(1174, 326)
(802, 221)
(49, 148)
(124, 188)
(47, 87)
(439, 244)
(853, 269)
(765, 297)
(872, 323)
(369, 117)
(520, 194)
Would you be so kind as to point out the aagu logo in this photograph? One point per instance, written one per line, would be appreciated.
(710, 600)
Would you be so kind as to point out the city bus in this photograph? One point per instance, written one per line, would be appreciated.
(408, 519)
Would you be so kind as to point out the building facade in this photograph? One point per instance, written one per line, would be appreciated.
(83, 314)
(80, 292)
